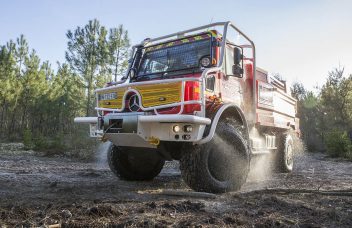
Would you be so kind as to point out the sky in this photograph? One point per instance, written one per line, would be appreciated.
(301, 40)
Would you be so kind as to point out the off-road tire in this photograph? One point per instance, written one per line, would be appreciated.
(284, 160)
(220, 165)
(134, 164)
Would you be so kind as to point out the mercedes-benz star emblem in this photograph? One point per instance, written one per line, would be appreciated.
(133, 103)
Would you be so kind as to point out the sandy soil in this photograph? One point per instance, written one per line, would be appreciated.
(43, 191)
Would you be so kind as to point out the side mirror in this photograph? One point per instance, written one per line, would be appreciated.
(237, 69)
(237, 55)
(132, 72)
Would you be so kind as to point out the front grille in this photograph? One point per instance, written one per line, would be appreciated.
(152, 95)
(160, 94)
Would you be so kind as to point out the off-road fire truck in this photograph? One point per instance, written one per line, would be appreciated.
(195, 96)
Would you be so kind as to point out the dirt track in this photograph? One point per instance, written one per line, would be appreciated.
(41, 191)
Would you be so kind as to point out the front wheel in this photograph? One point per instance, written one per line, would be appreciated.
(220, 165)
(132, 163)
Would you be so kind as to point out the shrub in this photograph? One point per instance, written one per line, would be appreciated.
(78, 145)
(338, 144)
(27, 139)
(50, 146)
(58, 144)
(40, 143)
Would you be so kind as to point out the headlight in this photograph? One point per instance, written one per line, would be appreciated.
(187, 128)
(205, 61)
(176, 128)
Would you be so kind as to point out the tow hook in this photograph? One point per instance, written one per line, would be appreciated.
(154, 141)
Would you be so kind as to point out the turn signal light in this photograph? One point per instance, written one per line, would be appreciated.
(192, 94)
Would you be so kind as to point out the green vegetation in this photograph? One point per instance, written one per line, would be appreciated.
(27, 139)
(326, 116)
(38, 105)
(338, 144)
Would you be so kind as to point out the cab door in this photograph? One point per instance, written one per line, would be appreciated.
(231, 86)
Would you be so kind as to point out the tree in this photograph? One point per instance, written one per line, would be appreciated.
(8, 83)
(87, 53)
(46, 67)
(119, 45)
(326, 118)
(298, 91)
(34, 85)
(21, 53)
(336, 99)
(311, 120)
(66, 98)
(94, 54)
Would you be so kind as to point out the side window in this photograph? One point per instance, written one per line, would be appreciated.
(229, 60)
(210, 83)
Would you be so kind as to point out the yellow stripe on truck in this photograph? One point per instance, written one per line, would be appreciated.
(160, 94)
(152, 95)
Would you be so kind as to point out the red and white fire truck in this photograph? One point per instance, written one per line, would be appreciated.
(195, 96)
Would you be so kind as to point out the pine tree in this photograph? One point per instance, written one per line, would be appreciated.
(21, 53)
(34, 87)
(87, 52)
(119, 45)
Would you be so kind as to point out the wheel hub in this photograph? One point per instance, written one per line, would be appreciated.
(289, 155)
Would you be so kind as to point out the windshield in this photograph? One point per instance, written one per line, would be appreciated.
(174, 58)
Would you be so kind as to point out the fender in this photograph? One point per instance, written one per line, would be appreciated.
(216, 112)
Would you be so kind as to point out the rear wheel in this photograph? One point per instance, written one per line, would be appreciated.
(132, 163)
(220, 165)
(285, 153)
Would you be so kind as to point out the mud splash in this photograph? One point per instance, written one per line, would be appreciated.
(261, 168)
(101, 155)
(261, 165)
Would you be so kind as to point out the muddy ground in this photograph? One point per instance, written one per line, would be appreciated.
(42, 191)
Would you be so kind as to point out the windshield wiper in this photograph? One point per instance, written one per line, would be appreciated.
(176, 72)
(149, 76)
(164, 74)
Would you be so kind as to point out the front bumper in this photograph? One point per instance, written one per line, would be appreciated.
(139, 130)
